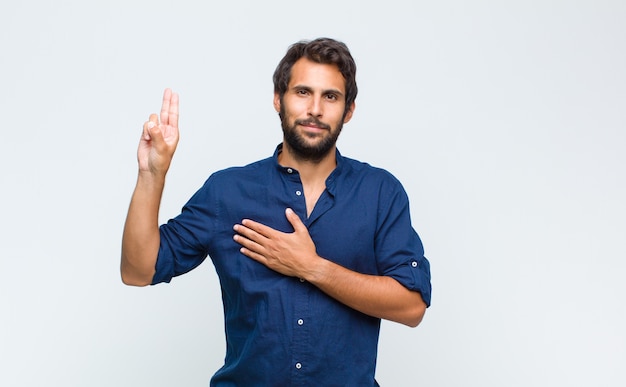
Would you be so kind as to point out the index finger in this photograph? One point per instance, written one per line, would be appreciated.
(258, 228)
(169, 108)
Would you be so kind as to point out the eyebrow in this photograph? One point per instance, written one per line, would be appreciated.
(309, 89)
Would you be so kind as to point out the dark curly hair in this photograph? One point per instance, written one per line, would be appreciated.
(321, 50)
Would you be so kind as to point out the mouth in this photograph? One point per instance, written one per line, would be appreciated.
(313, 124)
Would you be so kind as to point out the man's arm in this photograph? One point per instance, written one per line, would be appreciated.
(294, 254)
(141, 240)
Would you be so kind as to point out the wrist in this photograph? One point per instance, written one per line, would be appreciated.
(150, 180)
(318, 271)
(150, 175)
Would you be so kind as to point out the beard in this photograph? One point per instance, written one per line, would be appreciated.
(307, 150)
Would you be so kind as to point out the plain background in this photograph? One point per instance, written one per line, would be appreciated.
(505, 121)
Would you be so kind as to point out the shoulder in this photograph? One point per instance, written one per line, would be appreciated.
(360, 170)
(231, 181)
(255, 169)
(375, 186)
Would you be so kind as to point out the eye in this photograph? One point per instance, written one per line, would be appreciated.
(331, 96)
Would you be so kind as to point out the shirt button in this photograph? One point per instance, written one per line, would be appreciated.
(414, 264)
(300, 321)
(302, 279)
(298, 365)
(298, 193)
(289, 170)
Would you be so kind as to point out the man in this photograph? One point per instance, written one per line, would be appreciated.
(312, 249)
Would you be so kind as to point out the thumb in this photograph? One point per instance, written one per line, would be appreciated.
(295, 221)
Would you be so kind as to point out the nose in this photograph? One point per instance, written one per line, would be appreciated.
(315, 107)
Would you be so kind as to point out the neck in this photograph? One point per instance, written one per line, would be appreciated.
(311, 171)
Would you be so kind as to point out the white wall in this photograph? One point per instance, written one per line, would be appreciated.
(506, 122)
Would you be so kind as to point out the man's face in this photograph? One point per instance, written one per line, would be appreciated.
(312, 109)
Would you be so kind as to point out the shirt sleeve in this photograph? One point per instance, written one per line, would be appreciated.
(184, 238)
(399, 249)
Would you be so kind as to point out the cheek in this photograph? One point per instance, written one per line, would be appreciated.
(295, 107)
(338, 116)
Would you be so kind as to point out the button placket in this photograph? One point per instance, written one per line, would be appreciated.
(301, 335)
(294, 191)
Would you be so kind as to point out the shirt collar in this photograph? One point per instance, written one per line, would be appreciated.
(332, 178)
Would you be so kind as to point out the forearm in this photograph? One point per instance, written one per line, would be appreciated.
(293, 254)
(140, 242)
(378, 296)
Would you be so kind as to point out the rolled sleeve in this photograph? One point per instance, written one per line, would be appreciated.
(414, 274)
(399, 249)
(184, 238)
(176, 255)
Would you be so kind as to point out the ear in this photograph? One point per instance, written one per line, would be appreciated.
(277, 102)
(348, 116)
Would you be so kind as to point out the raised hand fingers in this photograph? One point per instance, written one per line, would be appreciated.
(169, 108)
(148, 125)
(165, 106)
(173, 113)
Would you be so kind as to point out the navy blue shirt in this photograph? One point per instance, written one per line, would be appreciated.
(282, 331)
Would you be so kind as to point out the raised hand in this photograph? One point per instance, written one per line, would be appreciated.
(160, 137)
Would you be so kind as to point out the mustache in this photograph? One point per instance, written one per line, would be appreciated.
(313, 121)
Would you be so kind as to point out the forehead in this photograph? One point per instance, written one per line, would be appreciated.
(316, 75)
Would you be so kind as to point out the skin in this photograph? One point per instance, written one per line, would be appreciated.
(141, 239)
(314, 107)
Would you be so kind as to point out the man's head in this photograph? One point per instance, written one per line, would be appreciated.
(324, 51)
(314, 92)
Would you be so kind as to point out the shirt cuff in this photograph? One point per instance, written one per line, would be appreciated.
(414, 274)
